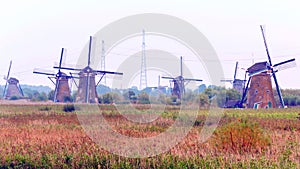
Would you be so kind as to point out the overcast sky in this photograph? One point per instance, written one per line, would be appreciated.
(32, 32)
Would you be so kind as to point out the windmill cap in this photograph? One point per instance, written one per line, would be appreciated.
(257, 67)
(87, 69)
(13, 80)
(62, 74)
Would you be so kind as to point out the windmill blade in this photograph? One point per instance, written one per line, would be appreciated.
(7, 77)
(56, 91)
(60, 60)
(107, 72)
(230, 81)
(165, 77)
(67, 68)
(235, 71)
(266, 46)
(285, 65)
(197, 80)
(90, 50)
(21, 90)
(44, 72)
(245, 93)
(278, 90)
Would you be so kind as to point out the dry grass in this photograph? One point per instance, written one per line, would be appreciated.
(33, 137)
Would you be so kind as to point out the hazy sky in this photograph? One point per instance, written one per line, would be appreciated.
(32, 32)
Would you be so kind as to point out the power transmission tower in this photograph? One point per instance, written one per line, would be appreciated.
(103, 61)
(143, 78)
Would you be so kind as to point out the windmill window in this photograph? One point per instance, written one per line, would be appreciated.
(256, 91)
(268, 91)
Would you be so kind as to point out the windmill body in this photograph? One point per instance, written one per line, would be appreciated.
(87, 86)
(178, 86)
(260, 94)
(13, 89)
(62, 92)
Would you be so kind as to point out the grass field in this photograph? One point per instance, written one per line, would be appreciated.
(44, 136)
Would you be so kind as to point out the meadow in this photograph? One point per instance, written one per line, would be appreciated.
(47, 136)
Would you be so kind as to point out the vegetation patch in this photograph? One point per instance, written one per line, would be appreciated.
(69, 108)
(241, 137)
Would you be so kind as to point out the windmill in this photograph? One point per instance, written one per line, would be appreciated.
(62, 89)
(87, 86)
(260, 92)
(179, 82)
(237, 84)
(12, 86)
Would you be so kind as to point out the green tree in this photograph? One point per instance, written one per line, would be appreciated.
(203, 100)
(42, 97)
(51, 95)
(188, 96)
(143, 98)
(129, 95)
(107, 98)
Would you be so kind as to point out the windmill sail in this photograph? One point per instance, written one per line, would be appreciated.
(285, 65)
(235, 71)
(270, 64)
(189, 79)
(43, 72)
(6, 78)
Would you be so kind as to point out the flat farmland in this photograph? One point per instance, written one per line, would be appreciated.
(46, 136)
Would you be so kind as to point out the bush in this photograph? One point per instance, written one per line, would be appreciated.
(51, 95)
(173, 101)
(69, 108)
(45, 108)
(203, 100)
(107, 98)
(39, 96)
(143, 98)
(241, 137)
(14, 98)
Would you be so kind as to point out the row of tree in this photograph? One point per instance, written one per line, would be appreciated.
(204, 96)
(291, 97)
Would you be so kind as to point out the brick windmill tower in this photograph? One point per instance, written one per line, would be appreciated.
(87, 85)
(179, 82)
(12, 86)
(260, 93)
(62, 92)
